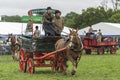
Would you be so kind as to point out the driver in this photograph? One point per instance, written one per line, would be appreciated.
(47, 22)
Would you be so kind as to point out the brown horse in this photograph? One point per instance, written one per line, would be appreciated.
(15, 46)
(72, 53)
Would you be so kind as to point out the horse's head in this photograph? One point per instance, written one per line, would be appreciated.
(11, 39)
(75, 40)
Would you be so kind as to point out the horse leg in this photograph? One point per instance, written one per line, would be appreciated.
(17, 48)
(13, 53)
(57, 61)
(78, 58)
(16, 55)
(74, 69)
(64, 67)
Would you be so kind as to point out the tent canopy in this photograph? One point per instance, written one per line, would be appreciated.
(19, 28)
(107, 29)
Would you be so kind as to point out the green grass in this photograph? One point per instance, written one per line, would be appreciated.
(91, 67)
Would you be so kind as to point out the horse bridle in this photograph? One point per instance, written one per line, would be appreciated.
(71, 42)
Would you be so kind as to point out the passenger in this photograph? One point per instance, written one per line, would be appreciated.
(29, 27)
(99, 36)
(58, 23)
(36, 32)
(90, 30)
(47, 22)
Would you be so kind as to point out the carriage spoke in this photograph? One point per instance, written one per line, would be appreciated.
(31, 68)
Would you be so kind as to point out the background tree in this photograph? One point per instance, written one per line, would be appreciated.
(69, 19)
(91, 16)
(15, 18)
(115, 18)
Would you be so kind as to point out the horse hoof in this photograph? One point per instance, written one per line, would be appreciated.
(13, 57)
(64, 73)
(67, 66)
(73, 73)
(55, 73)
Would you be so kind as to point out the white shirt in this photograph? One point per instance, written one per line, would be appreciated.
(37, 33)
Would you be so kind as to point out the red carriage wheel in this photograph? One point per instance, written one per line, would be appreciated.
(100, 51)
(31, 68)
(22, 62)
(113, 50)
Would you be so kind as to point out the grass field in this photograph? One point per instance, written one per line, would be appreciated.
(91, 67)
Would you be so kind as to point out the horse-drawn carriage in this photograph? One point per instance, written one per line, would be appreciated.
(91, 44)
(46, 52)
(37, 52)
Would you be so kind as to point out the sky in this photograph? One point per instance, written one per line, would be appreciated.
(21, 7)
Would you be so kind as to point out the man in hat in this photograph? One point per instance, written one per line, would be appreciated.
(90, 30)
(47, 22)
(58, 23)
(29, 27)
(99, 36)
(37, 32)
(48, 16)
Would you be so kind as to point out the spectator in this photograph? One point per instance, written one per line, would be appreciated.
(99, 36)
(3, 50)
(90, 30)
(37, 32)
(29, 27)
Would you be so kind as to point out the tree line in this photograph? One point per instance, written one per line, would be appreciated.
(15, 18)
(91, 16)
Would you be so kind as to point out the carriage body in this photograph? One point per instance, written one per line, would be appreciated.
(39, 52)
(40, 45)
(91, 44)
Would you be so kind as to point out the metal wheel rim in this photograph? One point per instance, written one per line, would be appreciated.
(22, 66)
(22, 62)
(30, 66)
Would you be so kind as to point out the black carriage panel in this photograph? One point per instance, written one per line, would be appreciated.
(45, 44)
(40, 45)
(27, 44)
